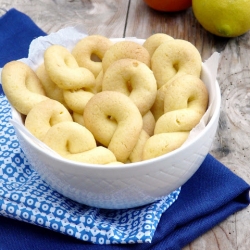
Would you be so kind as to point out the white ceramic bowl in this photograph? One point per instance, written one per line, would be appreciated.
(129, 185)
(120, 186)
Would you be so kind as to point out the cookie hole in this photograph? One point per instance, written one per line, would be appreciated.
(190, 100)
(95, 58)
(67, 146)
(111, 118)
(129, 86)
(176, 66)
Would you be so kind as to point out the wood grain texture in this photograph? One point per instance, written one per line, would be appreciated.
(133, 18)
(143, 22)
(104, 17)
(232, 142)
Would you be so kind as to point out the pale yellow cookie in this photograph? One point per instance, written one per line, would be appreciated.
(115, 122)
(137, 153)
(44, 115)
(78, 118)
(154, 41)
(125, 49)
(160, 144)
(51, 89)
(64, 70)
(184, 103)
(149, 123)
(76, 100)
(174, 58)
(87, 48)
(74, 142)
(22, 86)
(134, 79)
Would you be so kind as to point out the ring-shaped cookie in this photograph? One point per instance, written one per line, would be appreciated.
(186, 101)
(64, 70)
(188, 88)
(51, 89)
(44, 115)
(134, 79)
(189, 92)
(114, 109)
(98, 155)
(163, 143)
(76, 100)
(174, 58)
(154, 41)
(125, 49)
(76, 143)
(21, 86)
(87, 48)
(177, 121)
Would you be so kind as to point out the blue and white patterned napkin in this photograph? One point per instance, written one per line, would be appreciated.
(25, 196)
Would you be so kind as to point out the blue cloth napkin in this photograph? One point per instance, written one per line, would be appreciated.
(209, 197)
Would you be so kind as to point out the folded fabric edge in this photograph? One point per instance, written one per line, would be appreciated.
(183, 235)
(239, 203)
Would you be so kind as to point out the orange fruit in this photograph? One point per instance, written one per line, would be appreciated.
(169, 5)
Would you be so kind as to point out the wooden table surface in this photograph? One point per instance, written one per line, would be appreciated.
(126, 18)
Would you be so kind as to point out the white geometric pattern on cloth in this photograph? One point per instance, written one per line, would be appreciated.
(25, 196)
